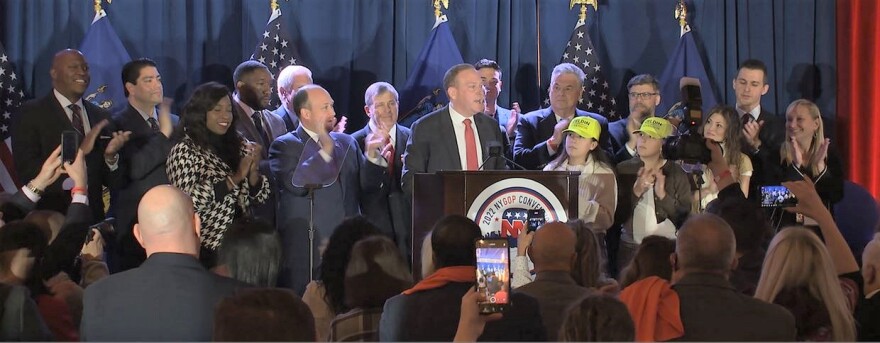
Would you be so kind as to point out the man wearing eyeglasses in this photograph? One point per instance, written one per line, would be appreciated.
(644, 96)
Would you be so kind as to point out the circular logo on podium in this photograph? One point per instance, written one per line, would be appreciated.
(501, 210)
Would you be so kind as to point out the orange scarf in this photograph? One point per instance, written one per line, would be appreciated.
(654, 307)
(443, 276)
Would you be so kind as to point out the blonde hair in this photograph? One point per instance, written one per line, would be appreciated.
(787, 150)
(797, 258)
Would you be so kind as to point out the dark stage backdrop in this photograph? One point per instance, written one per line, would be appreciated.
(352, 43)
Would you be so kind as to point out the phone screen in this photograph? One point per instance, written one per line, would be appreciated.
(493, 274)
(69, 146)
(535, 219)
(777, 196)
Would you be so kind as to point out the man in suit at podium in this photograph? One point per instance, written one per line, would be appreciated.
(387, 207)
(290, 80)
(455, 137)
(539, 133)
(314, 155)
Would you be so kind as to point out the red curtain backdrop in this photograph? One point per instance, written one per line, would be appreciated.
(858, 93)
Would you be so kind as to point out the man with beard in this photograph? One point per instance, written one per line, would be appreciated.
(332, 166)
(253, 89)
(644, 96)
(144, 155)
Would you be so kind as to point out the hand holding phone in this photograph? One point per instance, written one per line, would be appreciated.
(493, 275)
(69, 146)
(535, 218)
(777, 196)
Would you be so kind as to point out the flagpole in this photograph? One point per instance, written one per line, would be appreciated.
(538, 33)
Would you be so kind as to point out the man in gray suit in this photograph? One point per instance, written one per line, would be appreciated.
(458, 136)
(711, 308)
(170, 297)
(553, 253)
(253, 88)
(388, 207)
(329, 161)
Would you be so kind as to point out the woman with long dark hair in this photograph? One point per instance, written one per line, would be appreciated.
(723, 127)
(214, 165)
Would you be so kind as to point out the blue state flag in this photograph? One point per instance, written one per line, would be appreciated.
(106, 55)
(423, 91)
(685, 61)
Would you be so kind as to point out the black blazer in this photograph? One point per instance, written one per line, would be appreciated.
(37, 131)
(274, 127)
(432, 146)
(536, 127)
(619, 136)
(170, 297)
(291, 121)
(388, 207)
(404, 317)
(772, 135)
(867, 316)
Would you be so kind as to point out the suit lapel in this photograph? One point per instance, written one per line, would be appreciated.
(546, 124)
(485, 125)
(246, 125)
(136, 122)
(448, 130)
(60, 116)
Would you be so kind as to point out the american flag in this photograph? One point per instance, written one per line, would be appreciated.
(10, 99)
(597, 96)
(275, 49)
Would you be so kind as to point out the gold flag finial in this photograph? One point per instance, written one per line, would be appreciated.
(681, 13)
(274, 5)
(98, 7)
(437, 4)
(582, 17)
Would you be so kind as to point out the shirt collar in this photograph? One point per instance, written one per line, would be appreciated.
(312, 134)
(457, 118)
(870, 295)
(65, 102)
(247, 109)
(146, 116)
(755, 112)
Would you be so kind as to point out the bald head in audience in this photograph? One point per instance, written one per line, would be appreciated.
(705, 244)
(552, 248)
(167, 222)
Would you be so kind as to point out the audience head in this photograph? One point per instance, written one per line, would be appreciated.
(263, 315)
(9, 210)
(799, 274)
(651, 135)
(142, 83)
(465, 90)
(452, 239)
(381, 104)
(253, 84)
(871, 264)
(750, 84)
(251, 251)
(566, 88)
(644, 96)
(750, 225)
(167, 222)
(723, 126)
(427, 256)
(336, 256)
(290, 80)
(705, 244)
(375, 273)
(588, 264)
(209, 120)
(803, 124)
(650, 259)
(48, 221)
(552, 248)
(490, 74)
(22, 244)
(70, 74)
(314, 108)
(598, 318)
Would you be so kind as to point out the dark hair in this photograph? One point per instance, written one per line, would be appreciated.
(246, 68)
(587, 269)
(131, 71)
(193, 123)
(449, 77)
(650, 259)
(748, 221)
(732, 136)
(643, 79)
(335, 259)
(598, 154)
(375, 273)
(452, 239)
(754, 64)
(21, 234)
(252, 251)
(11, 211)
(487, 63)
(263, 315)
(597, 318)
(301, 98)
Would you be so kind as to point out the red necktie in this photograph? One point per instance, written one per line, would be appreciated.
(76, 119)
(391, 161)
(470, 146)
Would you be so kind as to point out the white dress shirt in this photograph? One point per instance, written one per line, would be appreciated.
(64, 105)
(458, 127)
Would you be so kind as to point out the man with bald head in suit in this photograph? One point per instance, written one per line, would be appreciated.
(170, 297)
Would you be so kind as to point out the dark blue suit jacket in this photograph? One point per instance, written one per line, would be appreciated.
(619, 135)
(291, 121)
(536, 127)
(388, 206)
(295, 155)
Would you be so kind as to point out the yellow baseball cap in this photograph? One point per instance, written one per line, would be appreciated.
(585, 127)
(654, 127)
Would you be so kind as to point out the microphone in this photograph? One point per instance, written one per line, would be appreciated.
(495, 151)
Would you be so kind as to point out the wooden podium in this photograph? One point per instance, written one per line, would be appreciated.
(495, 199)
